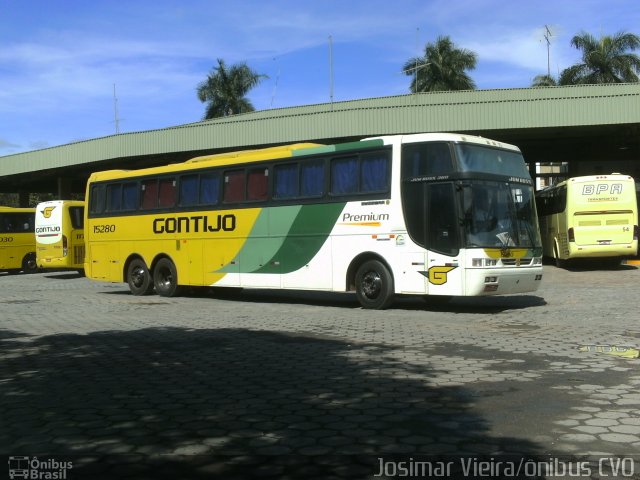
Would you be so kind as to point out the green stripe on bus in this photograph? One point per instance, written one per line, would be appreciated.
(265, 238)
(343, 147)
(308, 233)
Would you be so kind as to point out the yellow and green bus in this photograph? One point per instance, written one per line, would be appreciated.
(60, 234)
(382, 216)
(17, 240)
(593, 216)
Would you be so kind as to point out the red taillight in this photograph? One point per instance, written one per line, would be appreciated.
(636, 232)
(64, 245)
(572, 237)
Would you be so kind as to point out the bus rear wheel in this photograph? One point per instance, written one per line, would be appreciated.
(165, 278)
(560, 263)
(29, 264)
(374, 285)
(139, 278)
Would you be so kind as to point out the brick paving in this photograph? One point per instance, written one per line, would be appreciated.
(296, 385)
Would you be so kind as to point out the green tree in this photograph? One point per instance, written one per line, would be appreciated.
(544, 81)
(443, 67)
(604, 60)
(225, 90)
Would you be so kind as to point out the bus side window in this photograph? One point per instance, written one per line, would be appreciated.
(234, 186)
(209, 188)
(344, 175)
(97, 199)
(77, 217)
(167, 192)
(258, 183)
(129, 196)
(312, 179)
(189, 190)
(114, 197)
(149, 194)
(285, 181)
(374, 172)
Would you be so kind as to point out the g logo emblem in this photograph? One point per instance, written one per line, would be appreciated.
(46, 213)
(438, 275)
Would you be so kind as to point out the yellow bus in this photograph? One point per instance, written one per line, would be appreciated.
(17, 240)
(382, 216)
(593, 216)
(60, 234)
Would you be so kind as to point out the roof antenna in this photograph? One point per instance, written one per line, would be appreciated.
(115, 110)
(547, 36)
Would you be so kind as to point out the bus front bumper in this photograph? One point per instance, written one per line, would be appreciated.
(502, 281)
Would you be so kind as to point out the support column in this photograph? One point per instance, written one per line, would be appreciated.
(64, 188)
(23, 199)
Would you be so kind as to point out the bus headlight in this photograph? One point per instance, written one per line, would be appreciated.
(537, 260)
(484, 262)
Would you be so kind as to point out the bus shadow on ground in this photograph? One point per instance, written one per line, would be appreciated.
(590, 265)
(231, 403)
(491, 304)
(65, 275)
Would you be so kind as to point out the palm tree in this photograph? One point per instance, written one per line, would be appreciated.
(544, 81)
(441, 68)
(604, 60)
(225, 90)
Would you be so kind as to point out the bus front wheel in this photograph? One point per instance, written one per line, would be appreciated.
(139, 278)
(374, 285)
(165, 278)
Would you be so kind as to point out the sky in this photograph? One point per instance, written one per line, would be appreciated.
(61, 61)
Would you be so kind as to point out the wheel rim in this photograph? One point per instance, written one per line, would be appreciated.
(371, 285)
(165, 279)
(138, 276)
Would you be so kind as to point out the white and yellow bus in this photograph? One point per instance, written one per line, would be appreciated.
(17, 241)
(60, 234)
(383, 216)
(593, 216)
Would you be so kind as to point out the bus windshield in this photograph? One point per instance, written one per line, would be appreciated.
(499, 214)
(478, 158)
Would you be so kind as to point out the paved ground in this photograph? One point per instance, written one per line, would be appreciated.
(296, 385)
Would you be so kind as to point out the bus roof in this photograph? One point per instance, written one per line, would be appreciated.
(239, 157)
(73, 203)
(297, 150)
(445, 137)
(17, 210)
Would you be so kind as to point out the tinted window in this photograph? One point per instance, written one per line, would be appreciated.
(234, 186)
(114, 197)
(167, 192)
(477, 158)
(426, 159)
(312, 179)
(77, 217)
(130, 196)
(257, 184)
(443, 219)
(209, 188)
(189, 190)
(149, 194)
(285, 181)
(374, 173)
(344, 175)
(16, 222)
(97, 199)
